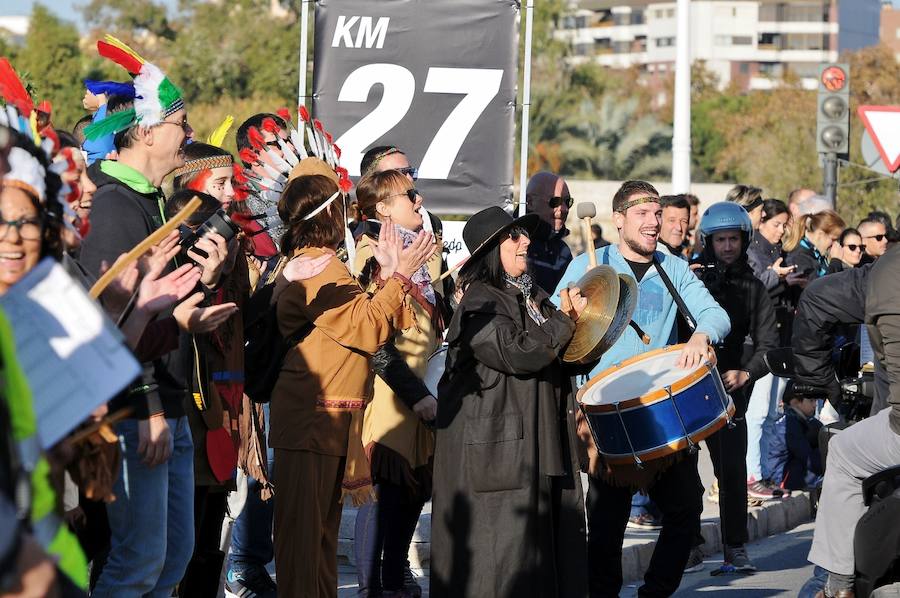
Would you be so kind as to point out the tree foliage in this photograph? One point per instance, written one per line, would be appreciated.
(50, 61)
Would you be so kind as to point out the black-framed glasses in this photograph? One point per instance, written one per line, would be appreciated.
(29, 228)
(853, 247)
(410, 171)
(412, 194)
(556, 201)
(878, 238)
(516, 233)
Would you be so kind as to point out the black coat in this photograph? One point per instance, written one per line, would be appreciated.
(507, 516)
(826, 304)
(548, 256)
(753, 328)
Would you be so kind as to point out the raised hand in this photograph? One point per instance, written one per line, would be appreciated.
(419, 251)
(200, 320)
(157, 294)
(387, 249)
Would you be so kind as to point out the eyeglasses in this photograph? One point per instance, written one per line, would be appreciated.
(516, 233)
(28, 228)
(878, 238)
(183, 124)
(410, 171)
(555, 202)
(412, 194)
(853, 247)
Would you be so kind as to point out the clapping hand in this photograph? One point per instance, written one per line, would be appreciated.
(304, 268)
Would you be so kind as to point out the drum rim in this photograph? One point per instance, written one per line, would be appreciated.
(670, 448)
(648, 398)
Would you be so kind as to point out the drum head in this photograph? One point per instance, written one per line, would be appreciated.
(635, 378)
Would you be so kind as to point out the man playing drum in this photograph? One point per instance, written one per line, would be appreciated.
(672, 482)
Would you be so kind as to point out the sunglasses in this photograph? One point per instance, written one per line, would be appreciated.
(516, 233)
(878, 238)
(853, 247)
(555, 202)
(410, 171)
(412, 194)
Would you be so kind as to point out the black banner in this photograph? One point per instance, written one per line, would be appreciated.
(434, 78)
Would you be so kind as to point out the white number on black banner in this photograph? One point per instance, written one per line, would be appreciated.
(477, 86)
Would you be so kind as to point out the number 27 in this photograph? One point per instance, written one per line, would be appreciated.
(479, 87)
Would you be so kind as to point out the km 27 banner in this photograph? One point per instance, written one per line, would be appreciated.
(434, 78)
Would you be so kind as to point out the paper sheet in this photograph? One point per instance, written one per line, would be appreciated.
(72, 354)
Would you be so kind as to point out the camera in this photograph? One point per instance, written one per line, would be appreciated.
(219, 223)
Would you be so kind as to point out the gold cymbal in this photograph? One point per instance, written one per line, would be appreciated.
(611, 300)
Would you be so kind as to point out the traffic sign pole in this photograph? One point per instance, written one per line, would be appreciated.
(829, 177)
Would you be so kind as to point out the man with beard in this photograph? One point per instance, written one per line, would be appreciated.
(547, 195)
(672, 482)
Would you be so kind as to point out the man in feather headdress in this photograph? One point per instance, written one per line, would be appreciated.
(152, 519)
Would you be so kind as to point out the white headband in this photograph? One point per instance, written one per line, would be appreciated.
(324, 205)
(26, 172)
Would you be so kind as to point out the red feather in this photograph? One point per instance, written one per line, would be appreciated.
(341, 172)
(240, 194)
(285, 114)
(120, 57)
(304, 114)
(248, 155)
(337, 151)
(329, 138)
(256, 138)
(318, 125)
(12, 90)
(346, 185)
(269, 124)
(238, 174)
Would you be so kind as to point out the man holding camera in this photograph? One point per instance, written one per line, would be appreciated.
(151, 520)
(865, 448)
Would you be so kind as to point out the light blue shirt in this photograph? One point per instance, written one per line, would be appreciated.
(656, 309)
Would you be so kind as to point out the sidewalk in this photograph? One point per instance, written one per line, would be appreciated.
(774, 517)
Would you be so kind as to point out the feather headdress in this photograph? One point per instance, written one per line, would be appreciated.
(155, 97)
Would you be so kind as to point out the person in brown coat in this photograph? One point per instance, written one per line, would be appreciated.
(507, 514)
(326, 381)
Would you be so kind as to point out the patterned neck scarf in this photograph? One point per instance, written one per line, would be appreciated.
(524, 283)
(421, 277)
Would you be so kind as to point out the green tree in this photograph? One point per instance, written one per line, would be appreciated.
(51, 61)
(146, 16)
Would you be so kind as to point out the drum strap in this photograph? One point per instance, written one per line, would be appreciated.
(676, 296)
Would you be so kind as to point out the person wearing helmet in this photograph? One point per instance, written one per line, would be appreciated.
(725, 232)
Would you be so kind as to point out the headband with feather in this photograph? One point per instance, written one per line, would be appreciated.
(155, 97)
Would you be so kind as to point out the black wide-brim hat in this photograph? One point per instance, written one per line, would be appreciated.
(485, 228)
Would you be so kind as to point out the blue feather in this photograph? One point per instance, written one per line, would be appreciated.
(125, 90)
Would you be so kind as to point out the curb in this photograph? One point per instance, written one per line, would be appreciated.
(773, 517)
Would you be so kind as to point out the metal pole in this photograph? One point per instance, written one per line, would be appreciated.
(829, 177)
(304, 41)
(526, 108)
(681, 138)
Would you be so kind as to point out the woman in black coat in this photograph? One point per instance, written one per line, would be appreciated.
(507, 515)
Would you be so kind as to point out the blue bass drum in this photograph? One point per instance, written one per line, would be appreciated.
(646, 407)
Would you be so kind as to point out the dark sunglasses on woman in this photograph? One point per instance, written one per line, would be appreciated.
(516, 233)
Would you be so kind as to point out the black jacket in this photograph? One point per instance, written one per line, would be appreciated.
(883, 314)
(548, 256)
(508, 516)
(826, 304)
(753, 329)
(120, 219)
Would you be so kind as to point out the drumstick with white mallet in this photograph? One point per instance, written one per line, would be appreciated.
(585, 212)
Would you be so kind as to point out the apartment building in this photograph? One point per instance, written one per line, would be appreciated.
(748, 42)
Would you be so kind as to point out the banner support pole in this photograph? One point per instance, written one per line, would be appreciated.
(304, 43)
(526, 108)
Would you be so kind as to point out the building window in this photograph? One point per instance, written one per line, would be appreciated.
(658, 13)
(742, 40)
(637, 16)
(670, 13)
(665, 42)
(744, 68)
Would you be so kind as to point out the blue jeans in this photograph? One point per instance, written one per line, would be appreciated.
(152, 519)
(251, 535)
(814, 583)
(762, 412)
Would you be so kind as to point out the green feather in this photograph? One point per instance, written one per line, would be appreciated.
(168, 93)
(113, 123)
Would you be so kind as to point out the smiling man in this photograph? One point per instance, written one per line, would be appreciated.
(151, 520)
(675, 489)
(676, 217)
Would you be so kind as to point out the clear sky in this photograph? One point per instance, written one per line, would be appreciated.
(66, 9)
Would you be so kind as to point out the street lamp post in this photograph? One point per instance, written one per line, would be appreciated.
(681, 138)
